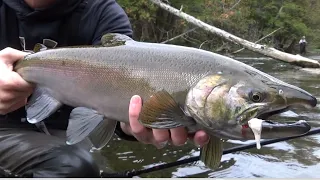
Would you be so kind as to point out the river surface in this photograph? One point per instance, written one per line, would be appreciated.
(298, 158)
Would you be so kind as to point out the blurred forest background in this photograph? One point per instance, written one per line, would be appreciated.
(247, 19)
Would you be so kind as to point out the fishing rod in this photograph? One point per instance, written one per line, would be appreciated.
(131, 173)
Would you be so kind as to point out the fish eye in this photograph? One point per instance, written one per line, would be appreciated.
(256, 97)
(280, 92)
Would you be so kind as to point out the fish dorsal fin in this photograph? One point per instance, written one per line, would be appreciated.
(114, 39)
(161, 111)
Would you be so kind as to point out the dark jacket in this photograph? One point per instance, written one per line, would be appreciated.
(93, 19)
(68, 22)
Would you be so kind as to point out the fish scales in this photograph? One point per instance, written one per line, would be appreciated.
(118, 75)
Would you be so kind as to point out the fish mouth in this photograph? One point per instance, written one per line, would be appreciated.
(274, 129)
(269, 114)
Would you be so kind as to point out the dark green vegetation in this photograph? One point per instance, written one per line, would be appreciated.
(250, 20)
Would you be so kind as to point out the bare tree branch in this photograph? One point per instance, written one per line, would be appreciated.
(204, 43)
(193, 39)
(279, 12)
(181, 7)
(235, 5)
(259, 40)
(186, 39)
(262, 49)
(176, 37)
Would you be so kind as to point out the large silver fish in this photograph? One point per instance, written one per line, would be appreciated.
(180, 86)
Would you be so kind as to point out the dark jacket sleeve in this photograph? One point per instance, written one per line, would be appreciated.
(113, 19)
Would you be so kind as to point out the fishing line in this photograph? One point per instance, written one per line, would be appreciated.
(131, 173)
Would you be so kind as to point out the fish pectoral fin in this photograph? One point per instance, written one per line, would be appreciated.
(114, 39)
(211, 153)
(85, 122)
(41, 105)
(161, 111)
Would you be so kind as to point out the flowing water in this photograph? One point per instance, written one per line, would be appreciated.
(290, 159)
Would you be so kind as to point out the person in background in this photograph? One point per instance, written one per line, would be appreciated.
(24, 149)
(303, 44)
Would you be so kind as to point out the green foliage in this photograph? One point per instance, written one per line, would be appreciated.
(139, 9)
(250, 20)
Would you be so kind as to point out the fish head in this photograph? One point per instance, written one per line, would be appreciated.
(261, 95)
(226, 102)
(249, 100)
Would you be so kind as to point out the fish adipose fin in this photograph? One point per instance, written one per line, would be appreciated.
(211, 153)
(114, 39)
(161, 111)
(41, 105)
(85, 122)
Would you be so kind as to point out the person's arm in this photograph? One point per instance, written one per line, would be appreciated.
(113, 19)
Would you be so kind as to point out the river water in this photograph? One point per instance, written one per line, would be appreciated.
(298, 158)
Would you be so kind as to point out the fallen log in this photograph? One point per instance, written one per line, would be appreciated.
(258, 48)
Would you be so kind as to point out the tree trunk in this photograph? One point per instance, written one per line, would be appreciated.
(262, 49)
(290, 48)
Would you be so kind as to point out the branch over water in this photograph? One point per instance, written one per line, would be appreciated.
(262, 49)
